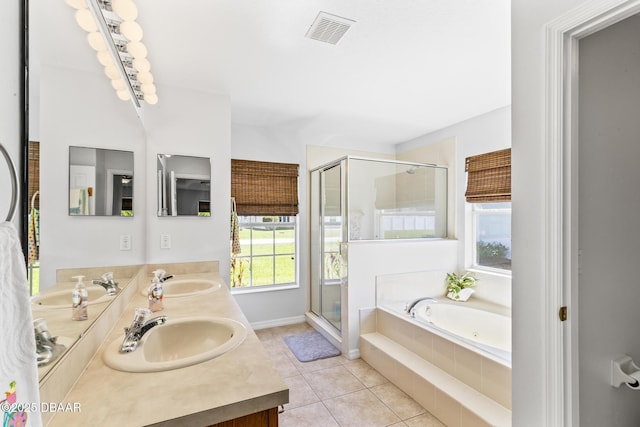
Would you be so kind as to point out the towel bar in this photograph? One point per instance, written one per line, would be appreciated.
(14, 184)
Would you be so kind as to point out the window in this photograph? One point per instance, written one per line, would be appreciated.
(492, 235)
(489, 192)
(268, 251)
(264, 224)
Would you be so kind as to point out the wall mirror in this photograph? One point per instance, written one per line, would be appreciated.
(184, 185)
(100, 182)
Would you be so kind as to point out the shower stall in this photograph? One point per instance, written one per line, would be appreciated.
(355, 199)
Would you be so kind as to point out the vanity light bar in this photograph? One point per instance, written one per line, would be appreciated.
(117, 41)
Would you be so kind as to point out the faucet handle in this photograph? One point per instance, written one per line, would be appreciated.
(108, 278)
(141, 315)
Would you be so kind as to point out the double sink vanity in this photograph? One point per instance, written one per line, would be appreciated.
(201, 366)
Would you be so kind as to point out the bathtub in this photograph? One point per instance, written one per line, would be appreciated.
(453, 358)
(467, 325)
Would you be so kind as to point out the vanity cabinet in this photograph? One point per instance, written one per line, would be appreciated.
(268, 418)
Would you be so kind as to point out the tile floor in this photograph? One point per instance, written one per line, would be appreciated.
(338, 391)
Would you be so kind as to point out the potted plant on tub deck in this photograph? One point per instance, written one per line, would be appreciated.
(459, 286)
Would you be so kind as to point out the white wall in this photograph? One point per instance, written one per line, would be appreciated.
(9, 100)
(608, 214)
(266, 144)
(192, 124)
(481, 134)
(80, 109)
(528, 197)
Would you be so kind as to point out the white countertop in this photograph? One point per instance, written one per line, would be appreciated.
(240, 382)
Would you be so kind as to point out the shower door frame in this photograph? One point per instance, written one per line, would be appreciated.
(319, 238)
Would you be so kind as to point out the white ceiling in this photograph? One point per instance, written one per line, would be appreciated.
(405, 68)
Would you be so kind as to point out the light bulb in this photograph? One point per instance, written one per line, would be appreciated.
(137, 49)
(141, 64)
(125, 9)
(131, 30)
(151, 99)
(85, 20)
(77, 4)
(104, 57)
(112, 72)
(123, 95)
(118, 84)
(145, 77)
(96, 41)
(148, 89)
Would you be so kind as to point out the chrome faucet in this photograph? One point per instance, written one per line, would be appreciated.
(410, 306)
(47, 350)
(139, 327)
(162, 277)
(107, 282)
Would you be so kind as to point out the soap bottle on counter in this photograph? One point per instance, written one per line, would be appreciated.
(79, 300)
(155, 292)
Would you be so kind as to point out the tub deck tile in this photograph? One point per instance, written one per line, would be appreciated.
(448, 388)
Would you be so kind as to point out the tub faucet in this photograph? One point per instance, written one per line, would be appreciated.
(410, 306)
(47, 350)
(107, 282)
(138, 328)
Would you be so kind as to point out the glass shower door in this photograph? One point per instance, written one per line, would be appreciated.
(326, 236)
(331, 228)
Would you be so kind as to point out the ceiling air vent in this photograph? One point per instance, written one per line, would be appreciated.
(329, 28)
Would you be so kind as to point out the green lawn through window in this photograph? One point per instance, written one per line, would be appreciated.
(268, 255)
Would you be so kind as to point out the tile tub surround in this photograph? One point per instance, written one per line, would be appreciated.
(238, 383)
(456, 385)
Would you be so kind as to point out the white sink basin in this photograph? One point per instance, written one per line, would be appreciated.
(178, 343)
(187, 287)
(62, 299)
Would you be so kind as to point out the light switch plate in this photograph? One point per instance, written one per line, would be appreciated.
(165, 241)
(125, 242)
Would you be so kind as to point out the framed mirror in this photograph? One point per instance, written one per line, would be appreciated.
(100, 182)
(184, 185)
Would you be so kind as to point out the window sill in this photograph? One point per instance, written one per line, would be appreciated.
(260, 289)
(488, 272)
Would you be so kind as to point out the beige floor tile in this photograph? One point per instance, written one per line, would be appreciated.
(296, 328)
(283, 364)
(398, 401)
(333, 392)
(424, 420)
(314, 415)
(365, 373)
(316, 365)
(361, 408)
(274, 345)
(332, 382)
(300, 392)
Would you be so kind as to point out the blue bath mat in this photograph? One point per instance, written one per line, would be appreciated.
(310, 346)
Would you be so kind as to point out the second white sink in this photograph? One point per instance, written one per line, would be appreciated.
(62, 299)
(187, 287)
(178, 343)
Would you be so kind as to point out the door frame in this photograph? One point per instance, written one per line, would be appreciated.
(109, 194)
(562, 37)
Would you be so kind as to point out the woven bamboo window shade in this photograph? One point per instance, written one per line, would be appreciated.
(489, 177)
(264, 188)
(33, 182)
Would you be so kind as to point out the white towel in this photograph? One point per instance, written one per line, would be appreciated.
(18, 366)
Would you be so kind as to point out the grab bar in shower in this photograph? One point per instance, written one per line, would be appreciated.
(14, 184)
